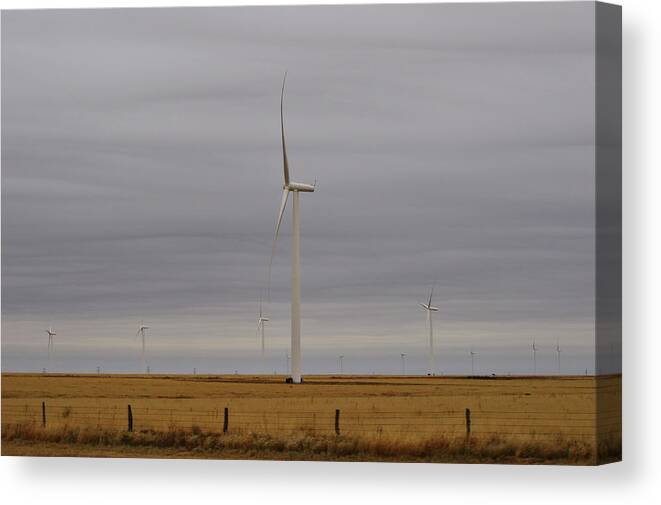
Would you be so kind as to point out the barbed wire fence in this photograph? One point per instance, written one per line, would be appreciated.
(580, 425)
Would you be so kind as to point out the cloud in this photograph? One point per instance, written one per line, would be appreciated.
(452, 144)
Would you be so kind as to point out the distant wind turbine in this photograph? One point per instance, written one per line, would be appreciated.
(557, 350)
(534, 357)
(429, 308)
(51, 333)
(473, 354)
(403, 356)
(295, 188)
(340, 358)
(260, 326)
(141, 332)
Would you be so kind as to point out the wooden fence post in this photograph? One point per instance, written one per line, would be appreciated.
(468, 422)
(226, 420)
(43, 414)
(130, 419)
(337, 421)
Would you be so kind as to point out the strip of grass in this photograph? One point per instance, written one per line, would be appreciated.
(28, 440)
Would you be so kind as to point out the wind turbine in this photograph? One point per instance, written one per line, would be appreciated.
(557, 350)
(429, 308)
(51, 333)
(403, 356)
(260, 326)
(295, 188)
(340, 358)
(473, 354)
(141, 333)
(534, 357)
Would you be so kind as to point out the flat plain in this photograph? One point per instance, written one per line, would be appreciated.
(568, 419)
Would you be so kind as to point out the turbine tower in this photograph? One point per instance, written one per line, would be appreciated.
(429, 308)
(51, 333)
(403, 356)
(260, 327)
(473, 354)
(295, 188)
(557, 350)
(534, 357)
(340, 359)
(141, 333)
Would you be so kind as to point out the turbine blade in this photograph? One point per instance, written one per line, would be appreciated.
(282, 131)
(281, 213)
(430, 295)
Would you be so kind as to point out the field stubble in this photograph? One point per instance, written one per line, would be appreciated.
(540, 419)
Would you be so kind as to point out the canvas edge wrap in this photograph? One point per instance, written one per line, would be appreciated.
(608, 217)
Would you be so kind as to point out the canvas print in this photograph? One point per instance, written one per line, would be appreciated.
(348, 233)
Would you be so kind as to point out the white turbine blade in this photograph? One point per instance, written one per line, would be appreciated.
(282, 131)
(281, 213)
(424, 306)
(430, 295)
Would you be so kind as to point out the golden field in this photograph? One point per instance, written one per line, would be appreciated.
(394, 418)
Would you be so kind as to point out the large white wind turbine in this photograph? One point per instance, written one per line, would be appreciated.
(51, 333)
(295, 188)
(429, 308)
(260, 326)
(141, 333)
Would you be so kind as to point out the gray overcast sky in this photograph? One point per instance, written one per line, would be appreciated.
(141, 176)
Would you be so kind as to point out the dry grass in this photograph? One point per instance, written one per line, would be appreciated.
(53, 442)
(524, 420)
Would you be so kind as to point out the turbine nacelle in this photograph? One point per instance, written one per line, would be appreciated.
(299, 186)
(141, 329)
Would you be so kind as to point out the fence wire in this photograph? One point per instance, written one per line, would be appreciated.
(520, 423)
